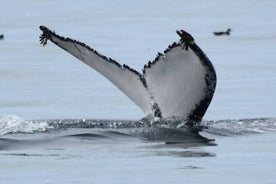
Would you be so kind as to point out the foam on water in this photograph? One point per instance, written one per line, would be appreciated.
(15, 124)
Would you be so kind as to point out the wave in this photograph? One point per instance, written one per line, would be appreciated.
(14, 124)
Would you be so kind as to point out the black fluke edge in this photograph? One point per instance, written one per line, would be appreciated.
(186, 41)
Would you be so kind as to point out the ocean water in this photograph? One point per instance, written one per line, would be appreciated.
(62, 122)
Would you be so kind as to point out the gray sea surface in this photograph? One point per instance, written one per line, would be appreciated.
(62, 122)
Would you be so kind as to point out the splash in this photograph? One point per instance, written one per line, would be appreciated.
(230, 127)
(15, 124)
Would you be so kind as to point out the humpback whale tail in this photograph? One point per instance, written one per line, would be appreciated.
(179, 83)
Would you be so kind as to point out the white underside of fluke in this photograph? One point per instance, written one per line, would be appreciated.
(173, 85)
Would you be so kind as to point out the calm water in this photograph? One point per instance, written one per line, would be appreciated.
(40, 87)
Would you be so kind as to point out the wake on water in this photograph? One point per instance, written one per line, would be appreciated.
(11, 124)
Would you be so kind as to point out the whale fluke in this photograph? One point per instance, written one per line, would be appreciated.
(178, 83)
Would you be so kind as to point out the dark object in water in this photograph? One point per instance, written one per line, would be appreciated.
(227, 32)
(186, 74)
(1, 37)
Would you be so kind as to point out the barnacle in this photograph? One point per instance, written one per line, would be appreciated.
(43, 38)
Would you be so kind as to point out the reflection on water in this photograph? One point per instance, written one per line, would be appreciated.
(176, 142)
(148, 138)
(181, 142)
(183, 149)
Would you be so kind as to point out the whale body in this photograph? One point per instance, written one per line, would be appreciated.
(179, 83)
